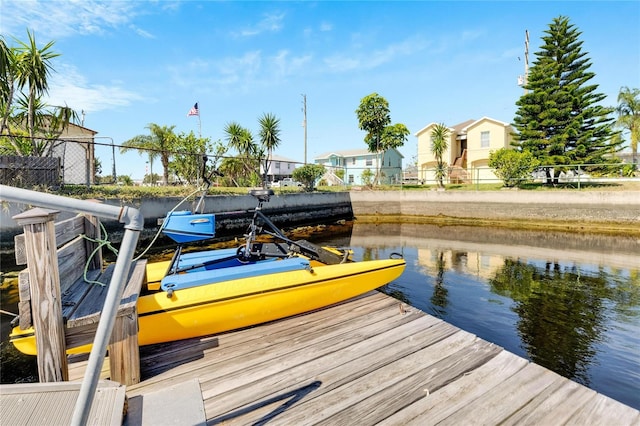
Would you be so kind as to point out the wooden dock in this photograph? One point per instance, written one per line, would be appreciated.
(371, 360)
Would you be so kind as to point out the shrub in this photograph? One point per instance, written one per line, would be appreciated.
(308, 174)
(513, 167)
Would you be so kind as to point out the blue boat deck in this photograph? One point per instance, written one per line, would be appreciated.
(371, 360)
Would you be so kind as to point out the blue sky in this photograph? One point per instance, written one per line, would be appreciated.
(131, 63)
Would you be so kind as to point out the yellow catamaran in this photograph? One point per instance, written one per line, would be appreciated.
(208, 292)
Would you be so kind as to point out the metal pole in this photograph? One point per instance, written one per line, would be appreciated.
(526, 60)
(579, 176)
(113, 159)
(105, 327)
(134, 223)
(42, 199)
(304, 124)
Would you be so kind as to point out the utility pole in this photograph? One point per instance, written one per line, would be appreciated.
(523, 80)
(304, 124)
(526, 59)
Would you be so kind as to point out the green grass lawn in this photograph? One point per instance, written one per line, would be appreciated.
(136, 192)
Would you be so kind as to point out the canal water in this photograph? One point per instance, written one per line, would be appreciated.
(568, 302)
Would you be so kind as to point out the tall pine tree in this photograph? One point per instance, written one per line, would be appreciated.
(559, 119)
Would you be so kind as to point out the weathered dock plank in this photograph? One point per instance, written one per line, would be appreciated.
(436, 406)
(341, 364)
(370, 360)
(53, 403)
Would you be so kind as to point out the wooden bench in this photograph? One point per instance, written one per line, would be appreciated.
(81, 302)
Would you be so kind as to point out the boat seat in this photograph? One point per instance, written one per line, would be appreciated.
(262, 194)
(190, 259)
(195, 279)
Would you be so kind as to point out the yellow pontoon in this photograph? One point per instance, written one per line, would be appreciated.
(214, 291)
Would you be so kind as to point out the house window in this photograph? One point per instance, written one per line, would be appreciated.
(369, 162)
(277, 165)
(485, 140)
(351, 179)
(353, 160)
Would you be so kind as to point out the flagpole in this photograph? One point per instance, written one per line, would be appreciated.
(199, 122)
(196, 111)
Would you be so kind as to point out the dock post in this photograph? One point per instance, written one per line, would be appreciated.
(93, 230)
(44, 283)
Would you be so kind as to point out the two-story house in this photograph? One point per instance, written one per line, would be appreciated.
(467, 155)
(279, 168)
(346, 167)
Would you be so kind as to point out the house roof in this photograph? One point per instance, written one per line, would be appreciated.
(72, 125)
(461, 128)
(473, 123)
(363, 152)
(455, 129)
(276, 157)
(345, 153)
(84, 128)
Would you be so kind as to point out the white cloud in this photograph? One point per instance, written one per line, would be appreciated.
(286, 65)
(238, 73)
(359, 59)
(141, 32)
(70, 88)
(269, 23)
(326, 26)
(57, 19)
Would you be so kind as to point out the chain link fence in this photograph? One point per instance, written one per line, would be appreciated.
(46, 163)
(572, 175)
(52, 163)
(80, 160)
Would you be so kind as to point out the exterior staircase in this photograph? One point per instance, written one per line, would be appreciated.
(332, 179)
(458, 172)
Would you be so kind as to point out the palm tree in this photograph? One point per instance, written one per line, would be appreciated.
(241, 140)
(7, 79)
(269, 138)
(439, 144)
(160, 143)
(628, 110)
(33, 67)
(232, 169)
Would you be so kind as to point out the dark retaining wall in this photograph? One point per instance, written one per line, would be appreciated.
(288, 210)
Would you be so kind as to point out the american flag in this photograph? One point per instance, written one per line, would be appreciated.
(194, 110)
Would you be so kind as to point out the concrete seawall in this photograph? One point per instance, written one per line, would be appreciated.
(586, 210)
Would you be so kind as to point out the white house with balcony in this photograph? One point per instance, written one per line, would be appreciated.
(346, 167)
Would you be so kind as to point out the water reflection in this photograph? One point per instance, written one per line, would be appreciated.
(440, 293)
(570, 303)
(561, 313)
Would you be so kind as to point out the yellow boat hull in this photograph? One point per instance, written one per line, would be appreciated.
(230, 305)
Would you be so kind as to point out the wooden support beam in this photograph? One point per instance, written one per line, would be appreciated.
(44, 283)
